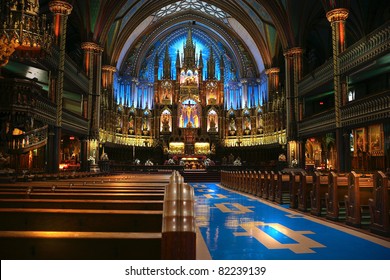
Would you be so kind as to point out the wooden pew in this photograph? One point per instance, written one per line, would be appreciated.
(259, 183)
(38, 219)
(380, 205)
(282, 191)
(73, 245)
(242, 179)
(82, 204)
(273, 182)
(304, 189)
(71, 195)
(109, 223)
(317, 194)
(295, 181)
(334, 198)
(254, 182)
(81, 189)
(245, 181)
(360, 188)
(265, 182)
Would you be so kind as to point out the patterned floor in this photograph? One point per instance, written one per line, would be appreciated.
(241, 227)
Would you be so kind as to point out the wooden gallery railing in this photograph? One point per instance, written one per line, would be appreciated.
(178, 228)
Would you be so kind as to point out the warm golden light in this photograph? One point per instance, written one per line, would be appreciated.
(22, 30)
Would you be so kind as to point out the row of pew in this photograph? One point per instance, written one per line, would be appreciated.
(12, 177)
(359, 200)
(110, 217)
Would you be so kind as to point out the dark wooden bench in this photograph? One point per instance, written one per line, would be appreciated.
(273, 182)
(317, 194)
(253, 183)
(241, 181)
(295, 181)
(259, 183)
(360, 189)
(265, 182)
(38, 219)
(82, 204)
(282, 192)
(178, 228)
(334, 198)
(304, 189)
(380, 205)
(81, 189)
(72, 195)
(74, 245)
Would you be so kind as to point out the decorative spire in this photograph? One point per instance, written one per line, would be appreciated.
(178, 59)
(189, 51)
(200, 59)
(189, 37)
(167, 65)
(211, 65)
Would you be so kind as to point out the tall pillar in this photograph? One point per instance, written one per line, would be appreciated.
(273, 87)
(88, 48)
(293, 62)
(97, 91)
(337, 19)
(108, 87)
(61, 11)
(93, 68)
(273, 81)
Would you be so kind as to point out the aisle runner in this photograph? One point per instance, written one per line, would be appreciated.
(239, 227)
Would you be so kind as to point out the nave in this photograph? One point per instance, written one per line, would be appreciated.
(238, 226)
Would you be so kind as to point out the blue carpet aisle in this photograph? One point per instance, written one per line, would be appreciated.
(241, 227)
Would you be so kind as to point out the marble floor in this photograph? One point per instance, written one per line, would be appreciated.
(236, 226)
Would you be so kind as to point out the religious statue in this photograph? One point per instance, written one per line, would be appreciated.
(145, 124)
(131, 122)
(165, 120)
(212, 123)
(237, 162)
(247, 128)
(165, 123)
(104, 156)
(166, 94)
(131, 125)
(212, 148)
(232, 126)
(91, 159)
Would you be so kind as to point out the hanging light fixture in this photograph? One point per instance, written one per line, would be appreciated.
(23, 30)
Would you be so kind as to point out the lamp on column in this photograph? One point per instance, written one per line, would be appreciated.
(23, 30)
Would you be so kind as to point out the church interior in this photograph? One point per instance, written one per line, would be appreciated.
(192, 79)
(103, 87)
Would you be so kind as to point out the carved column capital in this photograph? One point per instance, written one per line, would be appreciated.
(340, 14)
(60, 7)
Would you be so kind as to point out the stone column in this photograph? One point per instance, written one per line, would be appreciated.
(337, 19)
(61, 11)
(93, 67)
(97, 91)
(293, 62)
(108, 87)
(273, 87)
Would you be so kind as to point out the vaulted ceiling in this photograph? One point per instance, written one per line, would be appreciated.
(249, 33)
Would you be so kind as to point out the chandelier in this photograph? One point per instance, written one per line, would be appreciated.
(22, 30)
